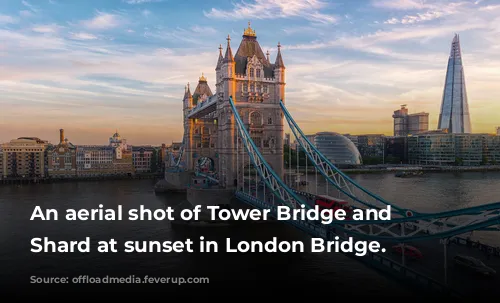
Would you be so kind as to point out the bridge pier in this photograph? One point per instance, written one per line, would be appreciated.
(174, 182)
(209, 197)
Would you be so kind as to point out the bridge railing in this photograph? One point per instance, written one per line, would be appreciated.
(376, 260)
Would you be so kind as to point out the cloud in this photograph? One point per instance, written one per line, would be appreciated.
(103, 21)
(490, 7)
(382, 43)
(45, 29)
(26, 13)
(203, 29)
(409, 19)
(30, 6)
(4, 19)
(82, 36)
(400, 4)
(269, 9)
(433, 11)
(146, 13)
(350, 80)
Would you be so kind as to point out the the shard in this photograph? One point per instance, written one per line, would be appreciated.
(454, 114)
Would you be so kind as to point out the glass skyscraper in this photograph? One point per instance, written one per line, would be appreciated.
(454, 114)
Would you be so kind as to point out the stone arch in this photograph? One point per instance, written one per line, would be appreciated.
(205, 164)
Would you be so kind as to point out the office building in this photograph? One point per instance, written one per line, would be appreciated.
(371, 146)
(396, 150)
(454, 149)
(491, 150)
(409, 124)
(454, 114)
(286, 140)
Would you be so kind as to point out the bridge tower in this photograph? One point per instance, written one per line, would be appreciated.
(257, 86)
(201, 132)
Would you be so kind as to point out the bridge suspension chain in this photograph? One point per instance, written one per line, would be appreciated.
(267, 174)
(333, 175)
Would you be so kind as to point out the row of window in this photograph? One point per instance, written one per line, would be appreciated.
(254, 88)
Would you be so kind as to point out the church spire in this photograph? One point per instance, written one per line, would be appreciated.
(229, 53)
(279, 59)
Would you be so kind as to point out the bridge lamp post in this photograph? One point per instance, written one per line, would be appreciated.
(445, 245)
(402, 226)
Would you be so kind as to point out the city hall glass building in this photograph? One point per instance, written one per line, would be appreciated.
(337, 148)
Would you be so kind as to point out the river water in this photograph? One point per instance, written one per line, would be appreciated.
(432, 192)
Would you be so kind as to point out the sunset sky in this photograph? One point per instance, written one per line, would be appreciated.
(94, 66)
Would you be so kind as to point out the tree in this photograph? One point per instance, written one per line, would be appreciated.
(292, 153)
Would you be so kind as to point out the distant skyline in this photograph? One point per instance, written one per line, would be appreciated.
(91, 67)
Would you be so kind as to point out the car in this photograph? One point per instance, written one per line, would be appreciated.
(473, 265)
(410, 251)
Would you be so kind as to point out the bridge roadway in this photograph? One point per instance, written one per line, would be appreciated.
(432, 264)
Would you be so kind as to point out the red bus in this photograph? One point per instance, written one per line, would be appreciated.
(327, 202)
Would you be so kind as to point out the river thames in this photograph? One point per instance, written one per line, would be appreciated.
(429, 193)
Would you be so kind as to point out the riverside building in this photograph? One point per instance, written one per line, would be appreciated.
(24, 158)
(454, 149)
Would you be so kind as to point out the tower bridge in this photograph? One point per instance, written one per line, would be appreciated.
(233, 148)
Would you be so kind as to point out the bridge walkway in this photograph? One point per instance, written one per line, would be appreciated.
(432, 264)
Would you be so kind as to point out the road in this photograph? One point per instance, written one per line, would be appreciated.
(433, 265)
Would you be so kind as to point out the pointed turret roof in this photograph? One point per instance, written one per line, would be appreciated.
(279, 59)
(221, 58)
(228, 57)
(201, 89)
(187, 92)
(248, 48)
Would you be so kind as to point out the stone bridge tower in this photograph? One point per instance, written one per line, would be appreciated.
(200, 134)
(257, 86)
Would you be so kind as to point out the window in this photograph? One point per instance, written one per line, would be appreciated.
(270, 121)
(245, 87)
(258, 88)
(265, 88)
(251, 87)
(251, 72)
(258, 73)
(255, 118)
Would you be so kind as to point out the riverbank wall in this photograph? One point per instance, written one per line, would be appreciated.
(17, 181)
(391, 169)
